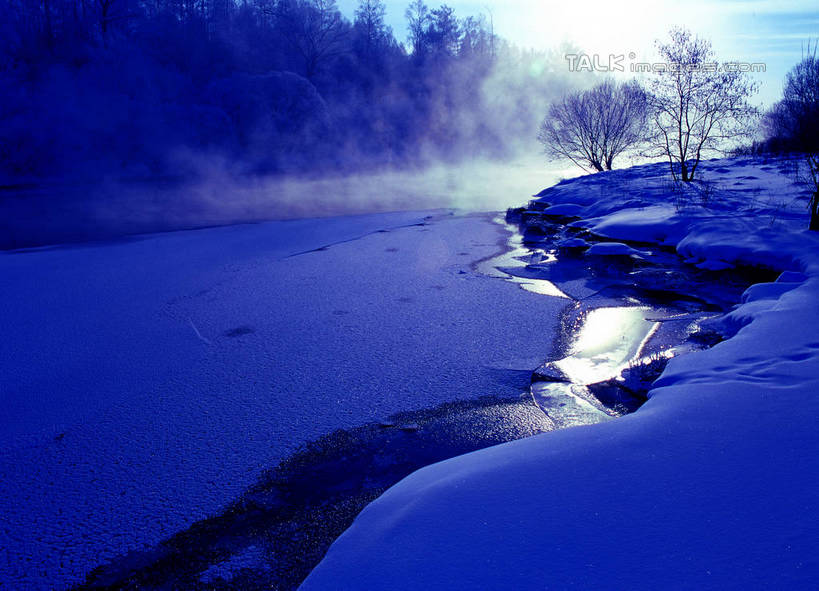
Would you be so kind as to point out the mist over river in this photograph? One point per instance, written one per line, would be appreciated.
(48, 213)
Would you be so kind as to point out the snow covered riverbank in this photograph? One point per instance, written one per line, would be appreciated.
(146, 383)
(713, 483)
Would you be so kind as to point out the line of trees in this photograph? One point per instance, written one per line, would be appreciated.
(689, 109)
(164, 87)
(792, 124)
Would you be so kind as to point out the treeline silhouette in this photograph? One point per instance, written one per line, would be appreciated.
(146, 88)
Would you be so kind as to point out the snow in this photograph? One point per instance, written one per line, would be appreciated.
(657, 223)
(712, 484)
(608, 249)
(768, 291)
(573, 243)
(564, 210)
(147, 382)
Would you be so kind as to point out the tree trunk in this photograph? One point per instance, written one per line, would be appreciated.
(684, 176)
(105, 6)
(814, 212)
(49, 31)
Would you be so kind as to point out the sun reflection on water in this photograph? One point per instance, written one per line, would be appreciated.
(609, 340)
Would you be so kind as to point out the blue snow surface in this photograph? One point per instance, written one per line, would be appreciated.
(145, 383)
(712, 484)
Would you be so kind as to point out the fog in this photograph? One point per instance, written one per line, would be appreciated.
(473, 186)
(128, 117)
(42, 214)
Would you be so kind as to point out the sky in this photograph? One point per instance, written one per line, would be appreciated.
(770, 32)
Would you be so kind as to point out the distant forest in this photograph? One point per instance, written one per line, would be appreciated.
(162, 88)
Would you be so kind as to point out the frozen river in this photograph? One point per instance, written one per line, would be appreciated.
(145, 383)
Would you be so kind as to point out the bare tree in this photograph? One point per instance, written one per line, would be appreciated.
(105, 11)
(697, 105)
(372, 31)
(592, 127)
(444, 31)
(49, 27)
(794, 123)
(315, 29)
(418, 18)
(812, 162)
(476, 37)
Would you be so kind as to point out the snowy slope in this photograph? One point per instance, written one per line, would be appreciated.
(712, 484)
(146, 383)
